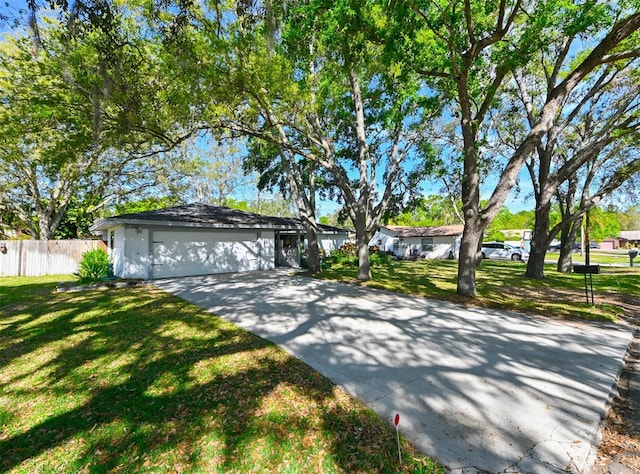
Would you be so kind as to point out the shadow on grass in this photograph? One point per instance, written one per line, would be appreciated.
(432, 278)
(500, 285)
(133, 379)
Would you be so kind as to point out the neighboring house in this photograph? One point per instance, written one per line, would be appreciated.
(612, 244)
(200, 239)
(419, 242)
(631, 236)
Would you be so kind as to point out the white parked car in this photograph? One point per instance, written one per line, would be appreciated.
(502, 251)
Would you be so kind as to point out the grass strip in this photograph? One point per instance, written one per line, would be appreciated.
(502, 285)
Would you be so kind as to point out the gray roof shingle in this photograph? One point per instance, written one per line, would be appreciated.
(207, 215)
(630, 234)
(200, 215)
(436, 231)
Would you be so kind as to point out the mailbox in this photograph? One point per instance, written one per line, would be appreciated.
(633, 253)
(586, 269)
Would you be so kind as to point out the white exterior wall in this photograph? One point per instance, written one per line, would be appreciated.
(117, 250)
(408, 246)
(136, 262)
(411, 246)
(267, 244)
(384, 239)
(140, 252)
(330, 242)
(442, 247)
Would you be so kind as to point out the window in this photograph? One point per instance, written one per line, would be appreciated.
(427, 244)
(396, 244)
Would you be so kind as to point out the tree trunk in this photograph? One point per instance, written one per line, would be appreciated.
(313, 250)
(540, 241)
(363, 206)
(568, 237)
(362, 241)
(305, 198)
(537, 254)
(44, 231)
(469, 258)
(564, 260)
(473, 228)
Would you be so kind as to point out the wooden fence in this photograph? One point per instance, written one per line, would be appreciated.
(43, 257)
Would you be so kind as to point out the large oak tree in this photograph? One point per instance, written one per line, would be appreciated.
(588, 153)
(82, 121)
(467, 49)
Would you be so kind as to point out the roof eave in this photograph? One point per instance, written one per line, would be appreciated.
(108, 223)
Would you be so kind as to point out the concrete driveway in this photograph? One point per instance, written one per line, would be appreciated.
(477, 389)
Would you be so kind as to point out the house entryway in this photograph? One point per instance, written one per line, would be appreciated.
(288, 249)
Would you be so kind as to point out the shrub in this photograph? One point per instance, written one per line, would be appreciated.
(94, 266)
(348, 255)
(379, 258)
(343, 258)
(349, 249)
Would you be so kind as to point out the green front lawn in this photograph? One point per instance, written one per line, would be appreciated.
(132, 379)
(503, 285)
(596, 256)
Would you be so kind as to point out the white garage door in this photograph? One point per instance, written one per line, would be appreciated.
(184, 253)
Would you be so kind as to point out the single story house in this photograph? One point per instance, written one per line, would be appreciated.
(631, 236)
(419, 242)
(612, 244)
(200, 239)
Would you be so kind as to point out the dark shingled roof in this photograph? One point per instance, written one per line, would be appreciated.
(329, 229)
(206, 215)
(201, 215)
(439, 231)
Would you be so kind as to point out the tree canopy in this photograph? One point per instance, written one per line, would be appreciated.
(83, 123)
(357, 101)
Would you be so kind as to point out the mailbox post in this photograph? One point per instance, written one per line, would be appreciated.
(587, 270)
(633, 253)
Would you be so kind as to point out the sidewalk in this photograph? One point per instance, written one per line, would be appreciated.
(477, 389)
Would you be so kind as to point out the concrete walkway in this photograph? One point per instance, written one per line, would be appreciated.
(477, 389)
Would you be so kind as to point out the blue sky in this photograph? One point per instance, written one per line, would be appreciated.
(515, 204)
(12, 7)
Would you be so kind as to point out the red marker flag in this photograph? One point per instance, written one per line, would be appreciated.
(396, 421)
